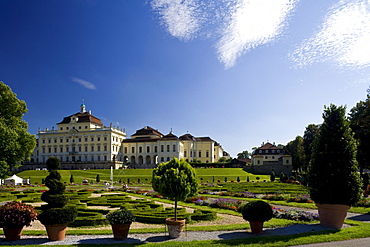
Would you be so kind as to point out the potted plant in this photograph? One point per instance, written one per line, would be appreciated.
(120, 220)
(14, 216)
(175, 180)
(256, 212)
(55, 215)
(333, 178)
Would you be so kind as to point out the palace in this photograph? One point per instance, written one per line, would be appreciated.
(81, 141)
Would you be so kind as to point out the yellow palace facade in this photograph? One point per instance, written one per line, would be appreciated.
(81, 141)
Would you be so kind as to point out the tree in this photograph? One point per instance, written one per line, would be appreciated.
(296, 150)
(308, 138)
(360, 124)
(98, 178)
(272, 176)
(244, 155)
(333, 177)
(71, 179)
(16, 144)
(176, 180)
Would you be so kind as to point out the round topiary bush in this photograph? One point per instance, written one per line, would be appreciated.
(257, 211)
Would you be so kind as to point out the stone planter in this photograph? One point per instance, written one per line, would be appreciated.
(13, 233)
(56, 232)
(332, 215)
(120, 231)
(175, 227)
(256, 226)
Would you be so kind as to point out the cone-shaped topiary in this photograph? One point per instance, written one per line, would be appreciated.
(176, 180)
(56, 211)
(333, 176)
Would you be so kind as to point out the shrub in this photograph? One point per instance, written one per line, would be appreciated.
(55, 216)
(256, 211)
(120, 216)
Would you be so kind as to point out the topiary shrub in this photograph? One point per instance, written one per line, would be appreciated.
(56, 211)
(257, 211)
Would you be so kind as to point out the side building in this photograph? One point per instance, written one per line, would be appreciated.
(81, 141)
(147, 147)
(271, 158)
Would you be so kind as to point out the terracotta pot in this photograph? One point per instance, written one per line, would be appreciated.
(56, 232)
(332, 215)
(120, 231)
(175, 227)
(13, 233)
(256, 226)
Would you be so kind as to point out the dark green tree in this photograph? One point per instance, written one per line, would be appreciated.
(244, 155)
(16, 144)
(333, 176)
(359, 117)
(98, 178)
(308, 139)
(272, 176)
(296, 150)
(71, 179)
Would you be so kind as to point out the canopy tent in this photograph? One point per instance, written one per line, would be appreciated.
(13, 180)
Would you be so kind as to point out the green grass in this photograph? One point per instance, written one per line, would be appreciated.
(145, 175)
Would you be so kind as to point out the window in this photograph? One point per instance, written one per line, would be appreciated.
(61, 140)
(55, 140)
(140, 149)
(98, 157)
(273, 151)
(148, 149)
(49, 141)
(61, 128)
(273, 157)
(168, 158)
(67, 140)
(85, 148)
(55, 149)
(85, 139)
(98, 139)
(79, 127)
(92, 139)
(105, 158)
(79, 149)
(266, 151)
(61, 149)
(67, 149)
(200, 154)
(85, 127)
(168, 148)
(92, 148)
(191, 153)
(185, 153)
(79, 139)
(125, 149)
(133, 150)
(49, 149)
(174, 148)
(67, 128)
(155, 149)
(92, 158)
(43, 140)
(207, 154)
(287, 161)
(98, 148)
(105, 138)
(162, 159)
(260, 151)
(258, 162)
(162, 148)
(105, 148)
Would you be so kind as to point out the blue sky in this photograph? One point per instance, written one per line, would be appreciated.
(240, 71)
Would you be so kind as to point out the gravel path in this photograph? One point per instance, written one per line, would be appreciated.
(163, 237)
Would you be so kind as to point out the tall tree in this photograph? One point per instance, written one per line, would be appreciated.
(308, 139)
(16, 144)
(360, 124)
(244, 155)
(296, 150)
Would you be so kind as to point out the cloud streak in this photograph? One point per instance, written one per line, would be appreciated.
(84, 83)
(252, 23)
(343, 38)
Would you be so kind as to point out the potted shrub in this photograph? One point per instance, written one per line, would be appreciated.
(175, 180)
(14, 216)
(120, 220)
(55, 215)
(256, 212)
(333, 178)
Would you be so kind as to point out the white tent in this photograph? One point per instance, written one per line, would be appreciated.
(13, 180)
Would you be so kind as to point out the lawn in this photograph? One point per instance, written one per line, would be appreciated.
(142, 175)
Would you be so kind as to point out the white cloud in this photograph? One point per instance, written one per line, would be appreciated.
(178, 16)
(252, 23)
(84, 83)
(343, 38)
(239, 25)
